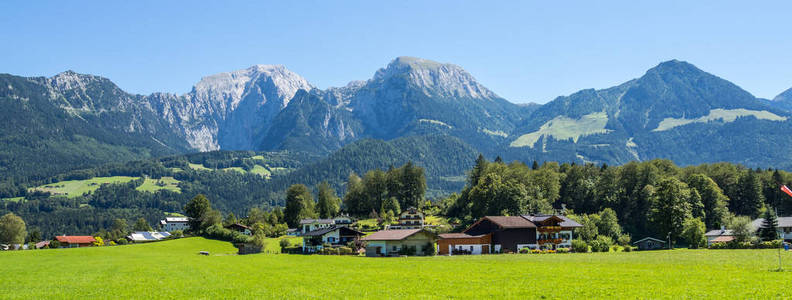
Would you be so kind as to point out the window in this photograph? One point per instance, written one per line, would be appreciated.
(394, 248)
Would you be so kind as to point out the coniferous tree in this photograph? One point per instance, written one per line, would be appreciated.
(768, 230)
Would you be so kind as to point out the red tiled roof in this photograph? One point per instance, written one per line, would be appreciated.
(723, 239)
(391, 235)
(75, 239)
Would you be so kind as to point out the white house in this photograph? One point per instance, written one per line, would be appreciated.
(410, 218)
(784, 227)
(308, 225)
(171, 224)
(335, 235)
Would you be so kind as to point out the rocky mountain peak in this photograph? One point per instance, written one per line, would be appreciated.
(231, 87)
(447, 80)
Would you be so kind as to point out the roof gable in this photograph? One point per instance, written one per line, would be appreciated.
(649, 239)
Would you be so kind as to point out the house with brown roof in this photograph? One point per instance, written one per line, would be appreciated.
(400, 242)
(239, 228)
(75, 241)
(495, 234)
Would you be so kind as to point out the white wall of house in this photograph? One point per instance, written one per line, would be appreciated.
(474, 249)
(332, 237)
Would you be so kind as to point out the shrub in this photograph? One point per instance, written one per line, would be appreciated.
(429, 249)
(345, 251)
(601, 244)
(624, 239)
(54, 244)
(524, 250)
(627, 248)
(562, 250)
(176, 234)
(579, 246)
(284, 243)
(122, 242)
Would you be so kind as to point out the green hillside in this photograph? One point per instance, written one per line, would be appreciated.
(173, 269)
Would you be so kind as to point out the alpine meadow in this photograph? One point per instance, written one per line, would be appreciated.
(249, 150)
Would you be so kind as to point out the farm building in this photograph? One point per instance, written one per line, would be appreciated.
(335, 236)
(74, 241)
(146, 236)
(42, 244)
(460, 243)
(400, 242)
(649, 243)
(410, 218)
(171, 224)
(239, 228)
(512, 233)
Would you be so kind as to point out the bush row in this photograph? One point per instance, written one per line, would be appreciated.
(748, 245)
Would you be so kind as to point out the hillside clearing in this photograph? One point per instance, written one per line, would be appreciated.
(173, 269)
(564, 128)
(75, 188)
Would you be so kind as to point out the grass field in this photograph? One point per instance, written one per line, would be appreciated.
(75, 188)
(15, 199)
(164, 183)
(173, 269)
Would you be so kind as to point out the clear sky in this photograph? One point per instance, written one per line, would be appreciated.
(524, 51)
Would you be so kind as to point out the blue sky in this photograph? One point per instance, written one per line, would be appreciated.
(524, 51)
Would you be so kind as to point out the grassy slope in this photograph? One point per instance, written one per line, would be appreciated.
(150, 185)
(74, 188)
(173, 269)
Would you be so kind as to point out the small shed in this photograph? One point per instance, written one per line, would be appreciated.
(650, 243)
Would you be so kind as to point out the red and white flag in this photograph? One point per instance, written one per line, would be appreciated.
(786, 190)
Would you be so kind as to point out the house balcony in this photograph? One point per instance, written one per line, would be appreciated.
(549, 229)
(550, 241)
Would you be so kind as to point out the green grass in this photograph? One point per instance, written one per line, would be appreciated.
(75, 188)
(15, 199)
(164, 183)
(173, 269)
(564, 128)
(198, 167)
(261, 171)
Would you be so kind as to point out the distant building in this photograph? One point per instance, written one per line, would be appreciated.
(42, 244)
(461, 243)
(73, 241)
(649, 243)
(398, 241)
(239, 228)
(784, 227)
(308, 225)
(512, 233)
(292, 232)
(147, 236)
(722, 235)
(410, 218)
(171, 224)
(313, 241)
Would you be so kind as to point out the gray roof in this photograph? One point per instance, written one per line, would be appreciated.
(782, 222)
(323, 231)
(719, 232)
(566, 223)
(319, 221)
(649, 238)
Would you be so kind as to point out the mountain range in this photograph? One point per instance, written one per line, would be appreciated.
(674, 111)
